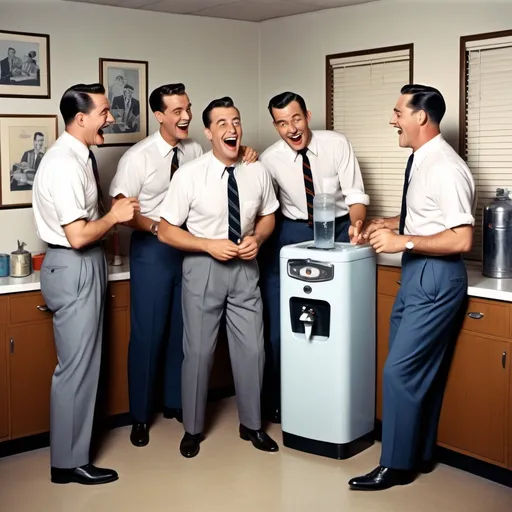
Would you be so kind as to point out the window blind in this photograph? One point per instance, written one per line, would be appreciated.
(488, 132)
(364, 90)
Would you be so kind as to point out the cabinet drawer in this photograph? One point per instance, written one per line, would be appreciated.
(388, 280)
(118, 294)
(28, 307)
(486, 317)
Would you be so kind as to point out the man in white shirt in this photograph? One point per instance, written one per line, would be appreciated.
(228, 207)
(304, 163)
(435, 227)
(145, 171)
(67, 207)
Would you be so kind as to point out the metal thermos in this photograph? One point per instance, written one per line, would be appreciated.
(497, 236)
(21, 262)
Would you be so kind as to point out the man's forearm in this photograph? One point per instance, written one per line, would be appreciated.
(139, 222)
(452, 241)
(392, 223)
(180, 239)
(264, 227)
(357, 212)
(82, 233)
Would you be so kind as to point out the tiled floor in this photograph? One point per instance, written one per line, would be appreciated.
(229, 475)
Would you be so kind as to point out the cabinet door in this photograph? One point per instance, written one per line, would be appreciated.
(384, 308)
(116, 359)
(474, 414)
(32, 361)
(4, 404)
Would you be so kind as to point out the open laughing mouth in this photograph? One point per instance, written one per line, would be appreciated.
(296, 139)
(183, 126)
(231, 142)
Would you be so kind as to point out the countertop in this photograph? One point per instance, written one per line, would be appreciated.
(31, 282)
(479, 285)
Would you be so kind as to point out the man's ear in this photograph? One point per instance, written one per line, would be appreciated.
(208, 134)
(79, 118)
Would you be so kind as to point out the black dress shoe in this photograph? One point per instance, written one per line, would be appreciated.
(170, 413)
(427, 466)
(381, 478)
(86, 475)
(140, 434)
(260, 439)
(189, 446)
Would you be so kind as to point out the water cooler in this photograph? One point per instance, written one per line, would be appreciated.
(328, 348)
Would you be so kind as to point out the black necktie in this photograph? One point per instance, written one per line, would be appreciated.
(403, 211)
(174, 164)
(308, 184)
(101, 207)
(234, 228)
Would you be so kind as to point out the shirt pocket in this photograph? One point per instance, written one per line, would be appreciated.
(330, 185)
(249, 211)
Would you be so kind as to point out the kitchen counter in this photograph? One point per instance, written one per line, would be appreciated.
(479, 285)
(32, 282)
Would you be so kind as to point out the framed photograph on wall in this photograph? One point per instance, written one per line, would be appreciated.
(126, 86)
(24, 139)
(24, 65)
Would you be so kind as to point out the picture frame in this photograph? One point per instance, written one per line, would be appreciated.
(126, 87)
(24, 139)
(24, 65)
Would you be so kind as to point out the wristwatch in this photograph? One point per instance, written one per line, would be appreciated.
(154, 228)
(409, 246)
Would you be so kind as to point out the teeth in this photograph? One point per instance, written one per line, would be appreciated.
(295, 137)
(183, 125)
(230, 138)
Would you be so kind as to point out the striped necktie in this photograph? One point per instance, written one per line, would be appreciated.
(174, 164)
(308, 184)
(101, 206)
(234, 229)
(403, 211)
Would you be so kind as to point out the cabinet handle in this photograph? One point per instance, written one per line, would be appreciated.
(11, 345)
(399, 283)
(475, 316)
(113, 295)
(43, 308)
(504, 360)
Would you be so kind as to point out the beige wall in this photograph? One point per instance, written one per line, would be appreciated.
(211, 56)
(293, 50)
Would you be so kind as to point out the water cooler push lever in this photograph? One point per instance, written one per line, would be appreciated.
(308, 319)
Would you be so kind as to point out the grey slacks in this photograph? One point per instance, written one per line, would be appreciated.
(210, 287)
(73, 284)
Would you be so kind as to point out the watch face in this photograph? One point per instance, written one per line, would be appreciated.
(409, 245)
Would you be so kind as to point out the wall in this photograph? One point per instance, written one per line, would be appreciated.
(213, 57)
(293, 50)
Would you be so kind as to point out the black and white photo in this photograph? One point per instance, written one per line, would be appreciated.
(24, 65)
(126, 86)
(24, 140)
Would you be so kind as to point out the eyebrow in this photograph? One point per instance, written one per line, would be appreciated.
(396, 110)
(224, 119)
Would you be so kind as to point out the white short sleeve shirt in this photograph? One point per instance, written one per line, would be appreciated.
(198, 196)
(334, 168)
(441, 193)
(64, 189)
(144, 171)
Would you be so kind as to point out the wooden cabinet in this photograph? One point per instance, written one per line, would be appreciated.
(476, 417)
(4, 392)
(388, 282)
(474, 413)
(32, 361)
(115, 352)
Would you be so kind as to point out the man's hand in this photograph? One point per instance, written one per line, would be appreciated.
(248, 249)
(124, 209)
(249, 155)
(385, 240)
(371, 227)
(355, 233)
(222, 250)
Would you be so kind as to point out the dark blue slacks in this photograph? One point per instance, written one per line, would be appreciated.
(156, 323)
(425, 321)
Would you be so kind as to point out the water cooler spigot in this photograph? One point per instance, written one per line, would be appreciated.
(308, 319)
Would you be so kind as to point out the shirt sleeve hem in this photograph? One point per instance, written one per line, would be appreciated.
(68, 219)
(357, 199)
(460, 219)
